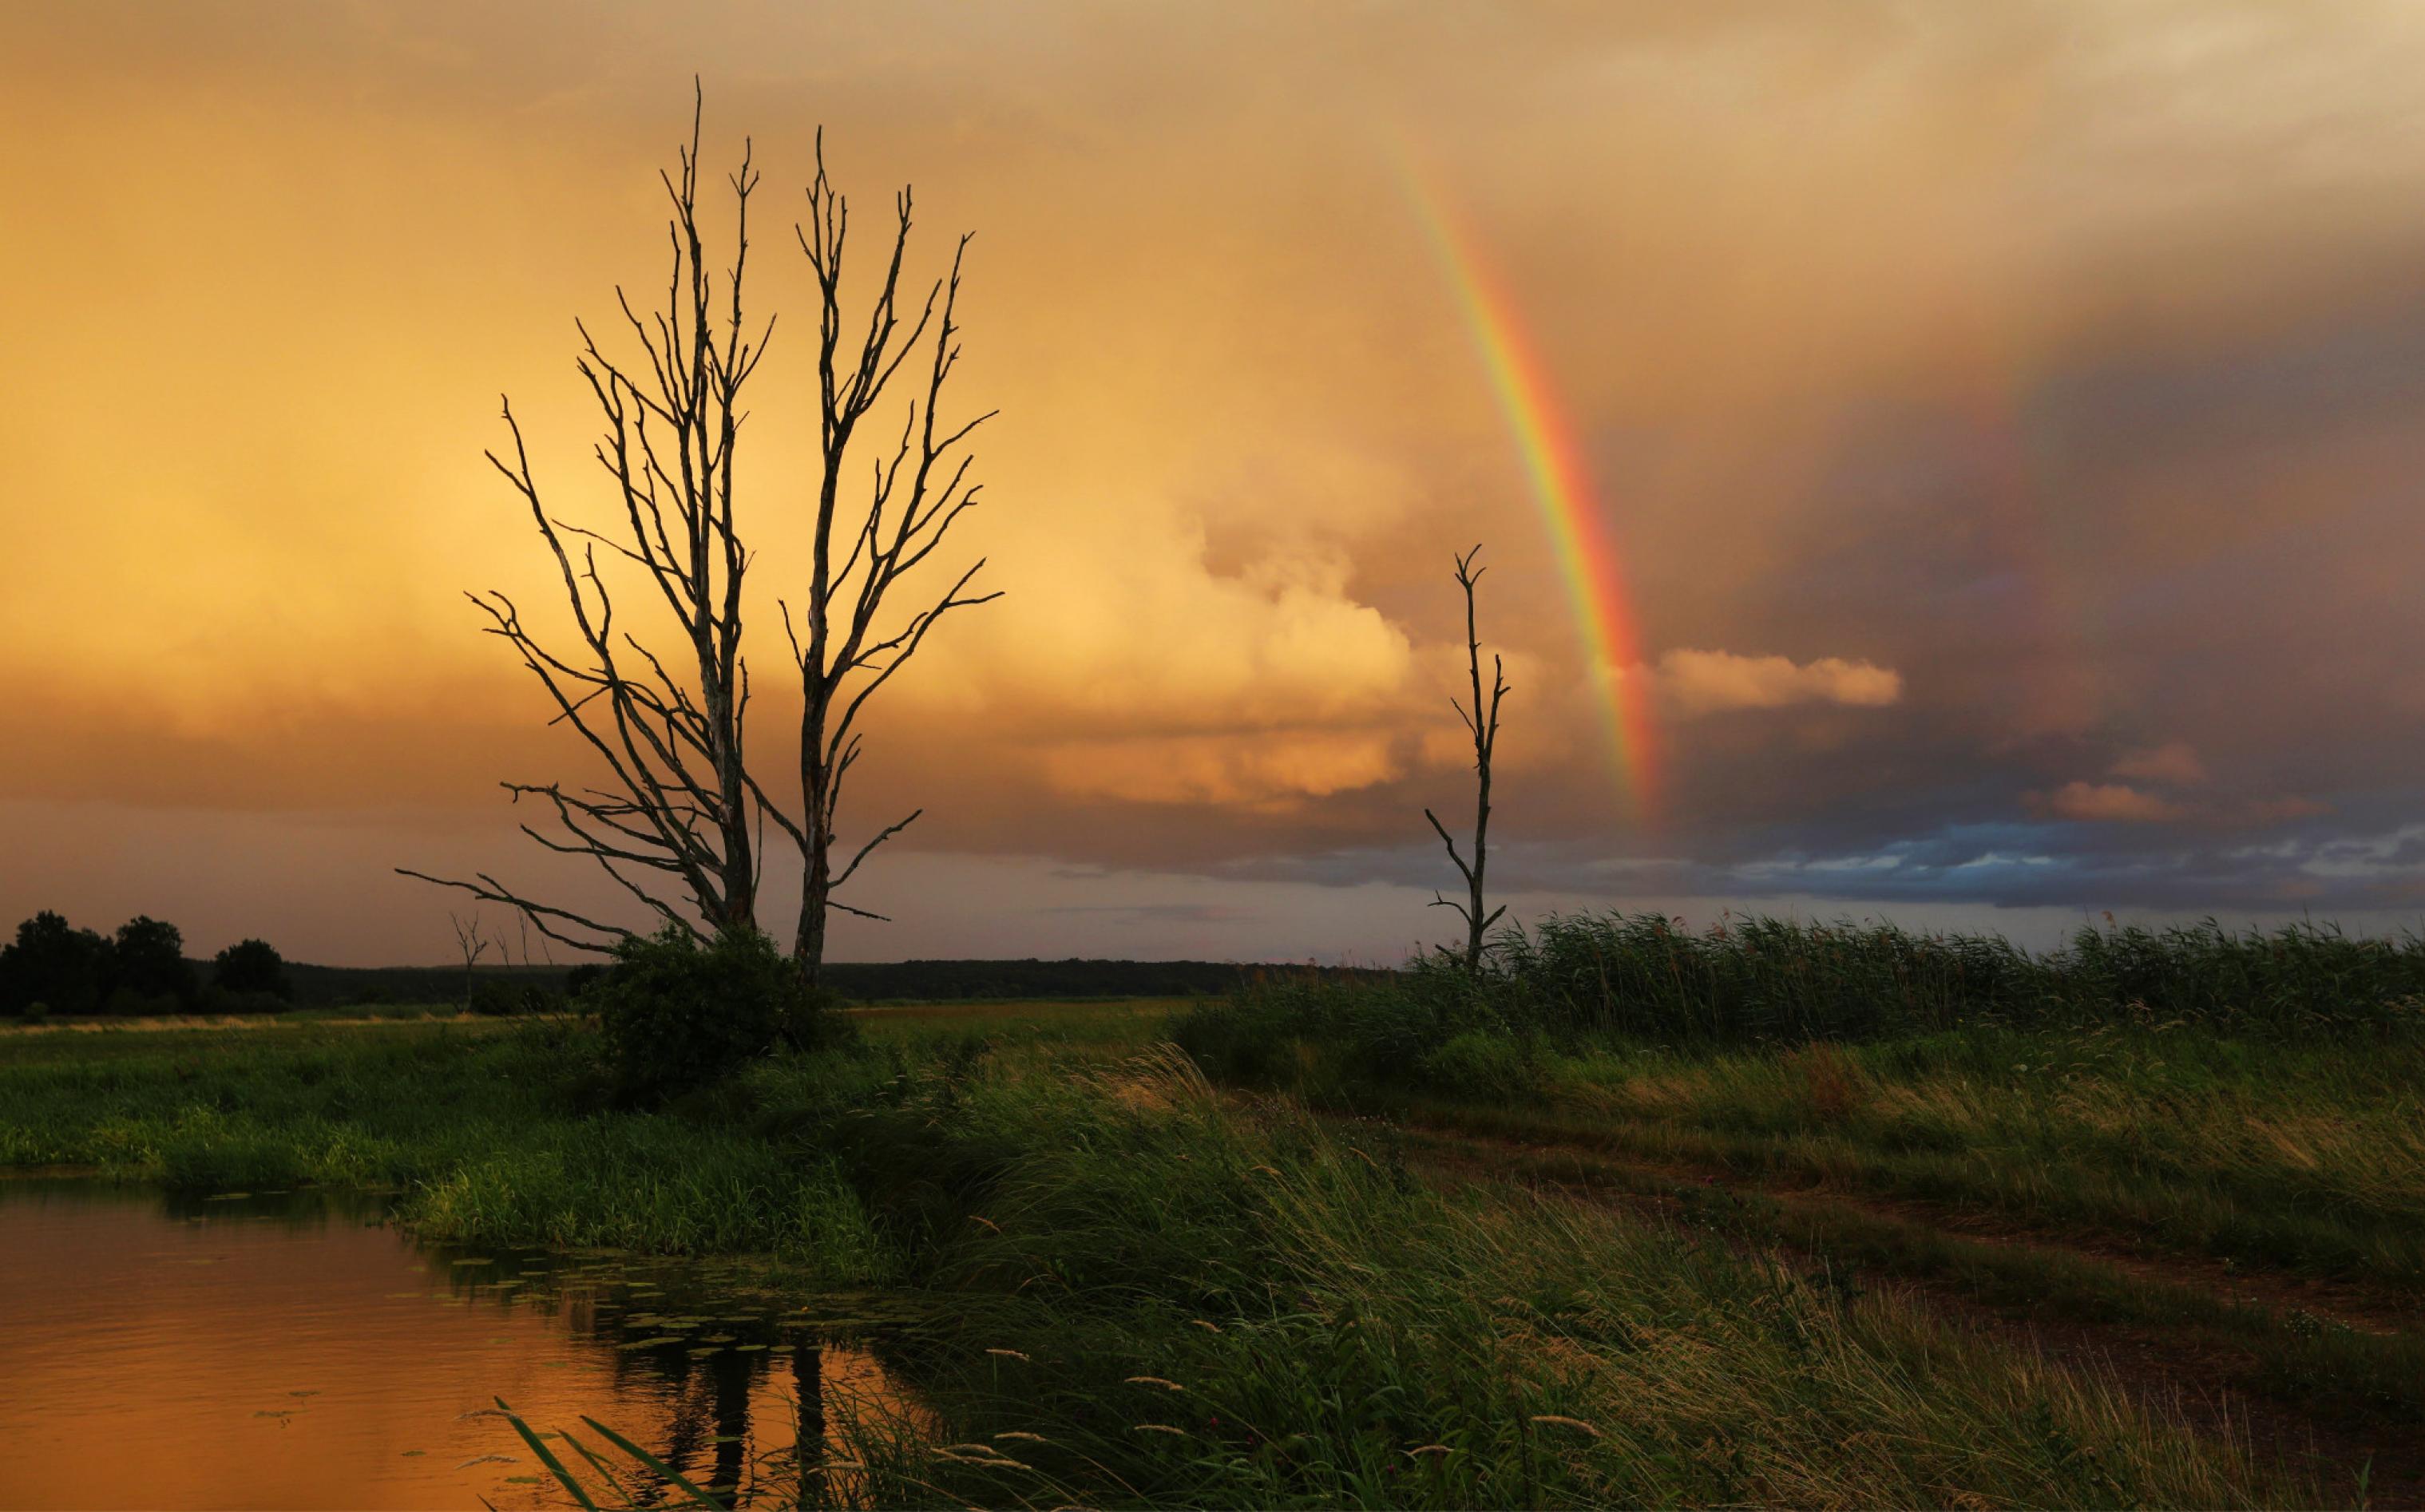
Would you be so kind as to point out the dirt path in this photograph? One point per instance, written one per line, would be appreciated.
(2368, 1307)
(2170, 1369)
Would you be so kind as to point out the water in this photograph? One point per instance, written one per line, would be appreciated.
(292, 1350)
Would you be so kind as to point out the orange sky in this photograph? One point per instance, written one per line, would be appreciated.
(1981, 394)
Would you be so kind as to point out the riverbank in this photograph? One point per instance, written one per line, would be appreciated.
(1150, 1292)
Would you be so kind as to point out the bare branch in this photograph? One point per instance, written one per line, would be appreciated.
(847, 645)
(667, 732)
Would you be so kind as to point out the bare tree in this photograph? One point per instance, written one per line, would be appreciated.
(918, 488)
(674, 814)
(1482, 721)
(472, 943)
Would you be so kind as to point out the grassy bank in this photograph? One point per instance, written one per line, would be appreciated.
(2277, 1128)
(1151, 1293)
(2228, 1191)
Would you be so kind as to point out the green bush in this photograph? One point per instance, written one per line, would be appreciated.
(679, 1014)
(129, 1002)
(1478, 1064)
(242, 1004)
(496, 998)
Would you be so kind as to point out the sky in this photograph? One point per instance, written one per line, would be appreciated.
(2002, 423)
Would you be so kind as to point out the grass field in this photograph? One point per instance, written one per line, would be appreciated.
(1981, 1265)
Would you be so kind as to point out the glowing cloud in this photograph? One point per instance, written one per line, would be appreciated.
(1704, 682)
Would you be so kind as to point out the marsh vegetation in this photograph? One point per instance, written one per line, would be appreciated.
(1412, 1241)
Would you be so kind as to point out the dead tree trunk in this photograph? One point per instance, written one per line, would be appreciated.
(1482, 721)
(673, 815)
(918, 490)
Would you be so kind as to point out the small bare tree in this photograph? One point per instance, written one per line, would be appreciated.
(918, 488)
(471, 944)
(677, 806)
(1482, 721)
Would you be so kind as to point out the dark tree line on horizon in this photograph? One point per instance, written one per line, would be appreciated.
(53, 967)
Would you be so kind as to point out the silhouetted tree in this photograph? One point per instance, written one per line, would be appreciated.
(668, 730)
(918, 490)
(683, 798)
(147, 962)
(1482, 721)
(53, 967)
(251, 966)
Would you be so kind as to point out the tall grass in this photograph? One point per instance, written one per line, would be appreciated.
(1780, 979)
(1642, 977)
(1156, 1299)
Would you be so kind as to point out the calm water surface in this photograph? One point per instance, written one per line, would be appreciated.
(292, 1350)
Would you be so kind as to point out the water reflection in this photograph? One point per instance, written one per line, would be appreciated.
(291, 1349)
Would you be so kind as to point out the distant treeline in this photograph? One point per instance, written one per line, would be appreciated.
(870, 981)
(53, 967)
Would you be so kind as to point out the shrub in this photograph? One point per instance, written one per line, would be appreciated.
(679, 1014)
(501, 999)
(126, 1002)
(251, 966)
(242, 1004)
(1478, 1064)
(498, 999)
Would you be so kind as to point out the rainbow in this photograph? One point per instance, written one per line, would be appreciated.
(1562, 488)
